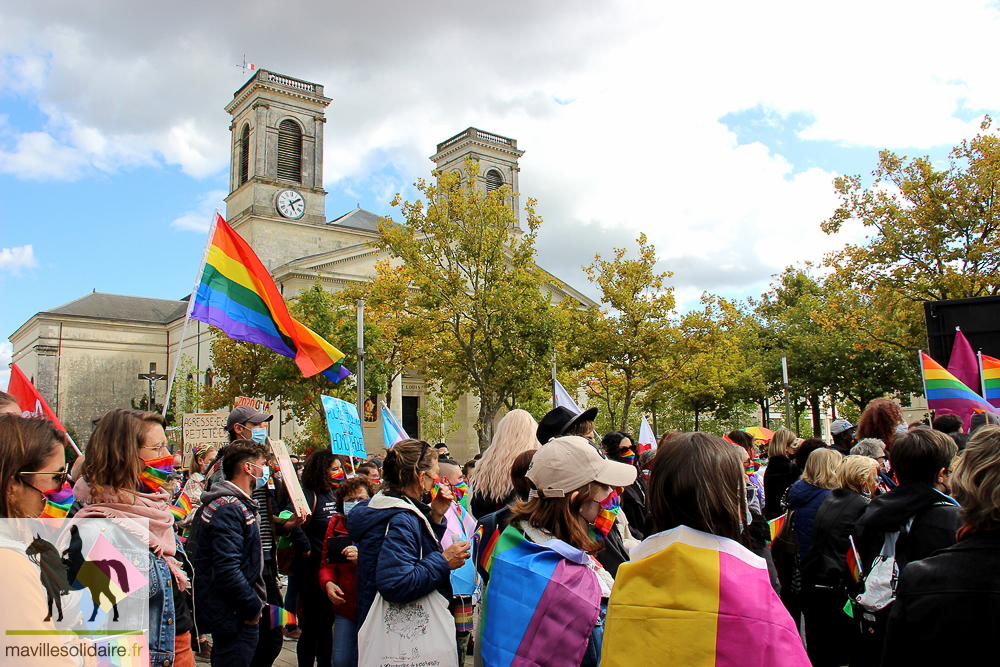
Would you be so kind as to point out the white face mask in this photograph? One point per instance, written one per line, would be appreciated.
(349, 505)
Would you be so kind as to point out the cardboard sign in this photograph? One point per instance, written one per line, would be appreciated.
(258, 404)
(289, 478)
(345, 427)
(202, 428)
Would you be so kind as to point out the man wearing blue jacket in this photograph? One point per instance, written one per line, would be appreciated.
(228, 559)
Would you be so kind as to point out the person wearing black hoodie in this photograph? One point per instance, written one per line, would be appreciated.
(920, 514)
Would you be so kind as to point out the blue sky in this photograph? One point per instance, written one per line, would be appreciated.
(715, 132)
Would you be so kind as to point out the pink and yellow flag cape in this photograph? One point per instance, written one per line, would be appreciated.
(694, 599)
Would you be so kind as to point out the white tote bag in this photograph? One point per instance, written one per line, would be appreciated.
(415, 634)
(421, 632)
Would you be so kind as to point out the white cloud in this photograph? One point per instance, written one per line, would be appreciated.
(6, 356)
(639, 148)
(200, 218)
(14, 260)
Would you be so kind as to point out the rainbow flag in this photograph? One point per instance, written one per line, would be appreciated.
(182, 508)
(775, 526)
(944, 391)
(539, 596)
(700, 598)
(58, 504)
(854, 561)
(279, 617)
(990, 373)
(237, 295)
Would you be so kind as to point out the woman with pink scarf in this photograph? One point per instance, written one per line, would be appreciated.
(127, 464)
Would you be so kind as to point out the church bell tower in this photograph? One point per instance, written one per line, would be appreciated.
(276, 167)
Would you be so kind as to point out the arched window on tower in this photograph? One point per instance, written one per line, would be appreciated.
(289, 151)
(493, 180)
(245, 155)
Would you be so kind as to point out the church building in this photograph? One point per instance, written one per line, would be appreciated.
(86, 356)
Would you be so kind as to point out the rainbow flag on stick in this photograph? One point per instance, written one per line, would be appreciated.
(775, 526)
(854, 561)
(182, 508)
(236, 294)
(989, 372)
(945, 392)
(279, 617)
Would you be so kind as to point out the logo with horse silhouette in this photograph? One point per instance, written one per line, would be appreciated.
(104, 572)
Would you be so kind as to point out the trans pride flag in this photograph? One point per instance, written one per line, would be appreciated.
(703, 601)
(392, 431)
(238, 295)
(540, 605)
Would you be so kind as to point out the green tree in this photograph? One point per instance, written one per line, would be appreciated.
(476, 287)
(437, 417)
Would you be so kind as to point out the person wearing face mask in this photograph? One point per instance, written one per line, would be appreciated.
(322, 475)
(693, 593)
(32, 469)
(557, 524)
(228, 560)
(825, 577)
(338, 571)
(620, 447)
(128, 463)
(398, 534)
(873, 449)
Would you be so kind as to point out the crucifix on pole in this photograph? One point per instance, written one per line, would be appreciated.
(153, 378)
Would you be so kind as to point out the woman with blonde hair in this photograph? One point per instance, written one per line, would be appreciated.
(491, 488)
(954, 592)
(781, 471)
(825, 576)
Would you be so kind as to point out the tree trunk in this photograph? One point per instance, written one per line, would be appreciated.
(764, 412)
(817, 425)
(833, 409)
(696, 412)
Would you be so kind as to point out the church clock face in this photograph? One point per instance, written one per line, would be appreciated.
(291, 204)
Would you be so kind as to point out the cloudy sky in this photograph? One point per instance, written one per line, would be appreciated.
(715, 128)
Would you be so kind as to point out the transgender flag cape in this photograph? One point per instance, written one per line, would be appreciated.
(690, 598)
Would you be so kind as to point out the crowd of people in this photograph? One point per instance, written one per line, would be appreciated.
(555, 546)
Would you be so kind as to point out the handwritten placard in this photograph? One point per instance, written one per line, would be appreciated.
(345, 427)
(201, 429)
(288, 476)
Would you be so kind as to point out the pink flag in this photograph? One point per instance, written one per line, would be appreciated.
(964, 365)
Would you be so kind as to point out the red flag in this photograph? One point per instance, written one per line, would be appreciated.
(28, 399)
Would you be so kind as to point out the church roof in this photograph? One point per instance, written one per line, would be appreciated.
(359, 218)
(103, 306)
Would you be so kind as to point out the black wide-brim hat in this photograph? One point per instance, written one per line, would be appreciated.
(560, 420)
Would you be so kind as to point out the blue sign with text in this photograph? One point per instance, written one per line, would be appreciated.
(345, 427)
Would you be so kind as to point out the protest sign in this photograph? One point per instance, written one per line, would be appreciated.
(289, 478)
(258, 404)
(202, 428)
(345, 427)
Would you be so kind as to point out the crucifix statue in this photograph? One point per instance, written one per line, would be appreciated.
(153, 378)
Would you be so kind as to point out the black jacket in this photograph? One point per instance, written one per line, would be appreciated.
(825, 563)
(946, 609)
(935, 522)
(780, 474)
(634, 507)
(227, 561)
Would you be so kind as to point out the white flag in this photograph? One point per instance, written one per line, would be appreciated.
(646, 435)
(563, 399)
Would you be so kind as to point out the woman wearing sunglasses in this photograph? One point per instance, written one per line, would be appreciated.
(32, 470)
(127, 464)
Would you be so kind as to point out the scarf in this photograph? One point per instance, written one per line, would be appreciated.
(151, 507)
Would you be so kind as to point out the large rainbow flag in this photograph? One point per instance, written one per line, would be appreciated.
(237, 295)
(540, 605)
(945, 392)
(989, 371)
(695, 599)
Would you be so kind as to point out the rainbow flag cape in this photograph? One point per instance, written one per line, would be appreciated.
(392, 432)
(58, 504)
(990, 374)
(944, 391)
(540, 605)
(237, 295)
(854, 561)
(775, 526)
(182, 508)
(700, 598)
(279, 617)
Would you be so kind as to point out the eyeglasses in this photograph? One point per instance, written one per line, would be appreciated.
(58, 478)
(162, 447)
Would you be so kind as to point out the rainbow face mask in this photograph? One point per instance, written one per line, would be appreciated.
(57, 502)
(628, 457)
(156, 473)
(337, 477)
(606, 517)
(460, 489)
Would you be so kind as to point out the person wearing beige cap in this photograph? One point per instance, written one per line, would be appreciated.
(569, 480)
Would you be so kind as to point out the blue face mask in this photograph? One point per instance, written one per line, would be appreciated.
(349, 505)
(259, 435)
(265, 473)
